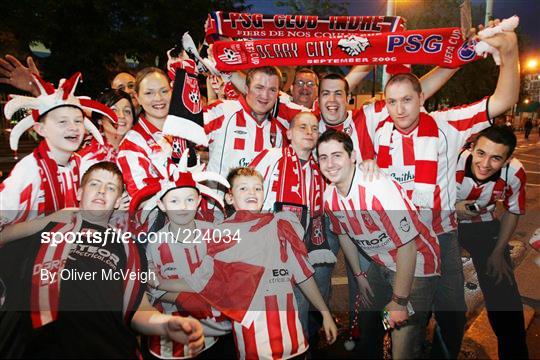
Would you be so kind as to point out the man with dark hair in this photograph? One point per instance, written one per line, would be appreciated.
(485, 175)
(379, 218)
(125, 81)
(305, 88)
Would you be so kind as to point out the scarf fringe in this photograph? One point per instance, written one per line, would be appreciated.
(321, 256)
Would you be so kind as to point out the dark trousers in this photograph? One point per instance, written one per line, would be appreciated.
(503, 302)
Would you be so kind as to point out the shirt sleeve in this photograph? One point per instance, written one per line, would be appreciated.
(213, 119)
(135, 165)
(19, 193)
(464, 121)
(514, 201)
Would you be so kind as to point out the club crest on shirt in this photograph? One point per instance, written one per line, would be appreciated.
(404, 225)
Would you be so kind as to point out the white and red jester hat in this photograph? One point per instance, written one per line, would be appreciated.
(50, 99)
(180, 176)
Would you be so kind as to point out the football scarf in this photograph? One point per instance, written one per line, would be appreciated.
(243, 25)
(425, 158)
(292, 195)
(443, 47)
(45, 294)
(55, 197)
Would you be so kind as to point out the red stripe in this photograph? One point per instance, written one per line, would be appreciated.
(258, 159)
(384, 160)
(460, 175)
(259, 139)
(365, 143)
(291, 323)
(427, 173)
(273, 325)
(408, 150)
(240, 119)
(425, 243)
(475, 193)
(54, 292)
(366, 216)
(250, 342)
(154, 343)
(214, 124)
(466, 124)
(239, 144)
(387, 223)
(165, 254)
(520, 174)
(353, 222)
(436, 212)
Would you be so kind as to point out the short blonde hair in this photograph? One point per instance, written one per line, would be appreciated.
(243, 171)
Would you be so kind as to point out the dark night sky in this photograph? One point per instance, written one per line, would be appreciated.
(527, 10)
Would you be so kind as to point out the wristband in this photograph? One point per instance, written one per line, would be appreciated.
(361, 273)
(400, 300)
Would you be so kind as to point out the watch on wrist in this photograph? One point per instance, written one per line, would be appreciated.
(400, 300)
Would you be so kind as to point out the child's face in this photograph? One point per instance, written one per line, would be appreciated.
(63, 128)
(100, 193)
(246, 193)
(180, 205)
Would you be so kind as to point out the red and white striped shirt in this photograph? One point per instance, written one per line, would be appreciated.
(95, 152)
(22, 196)
(506, 185)
(144, 155)
(360, 125)
(271, 328)
(380, 218)
(235, 137)
(172, 258)
(456, 125)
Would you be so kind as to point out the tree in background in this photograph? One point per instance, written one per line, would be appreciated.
(95, 37)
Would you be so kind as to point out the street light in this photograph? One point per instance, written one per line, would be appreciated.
(531, 64)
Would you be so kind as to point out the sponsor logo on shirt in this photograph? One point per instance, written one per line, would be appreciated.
(379, 241)
(240, 132)
(243, 162)
(280, 276)
(403, 177)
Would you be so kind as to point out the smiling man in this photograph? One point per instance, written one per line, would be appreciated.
(420, 151)
(486, 175)
(238, 130)
(378, 218)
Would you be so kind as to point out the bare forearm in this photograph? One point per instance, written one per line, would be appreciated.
(507, 91)
(312, 293)
(509, 223)
(351, 253)
(174, 286)
(148, 321)
(357, 74)
(406, 263)
(18, 231)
